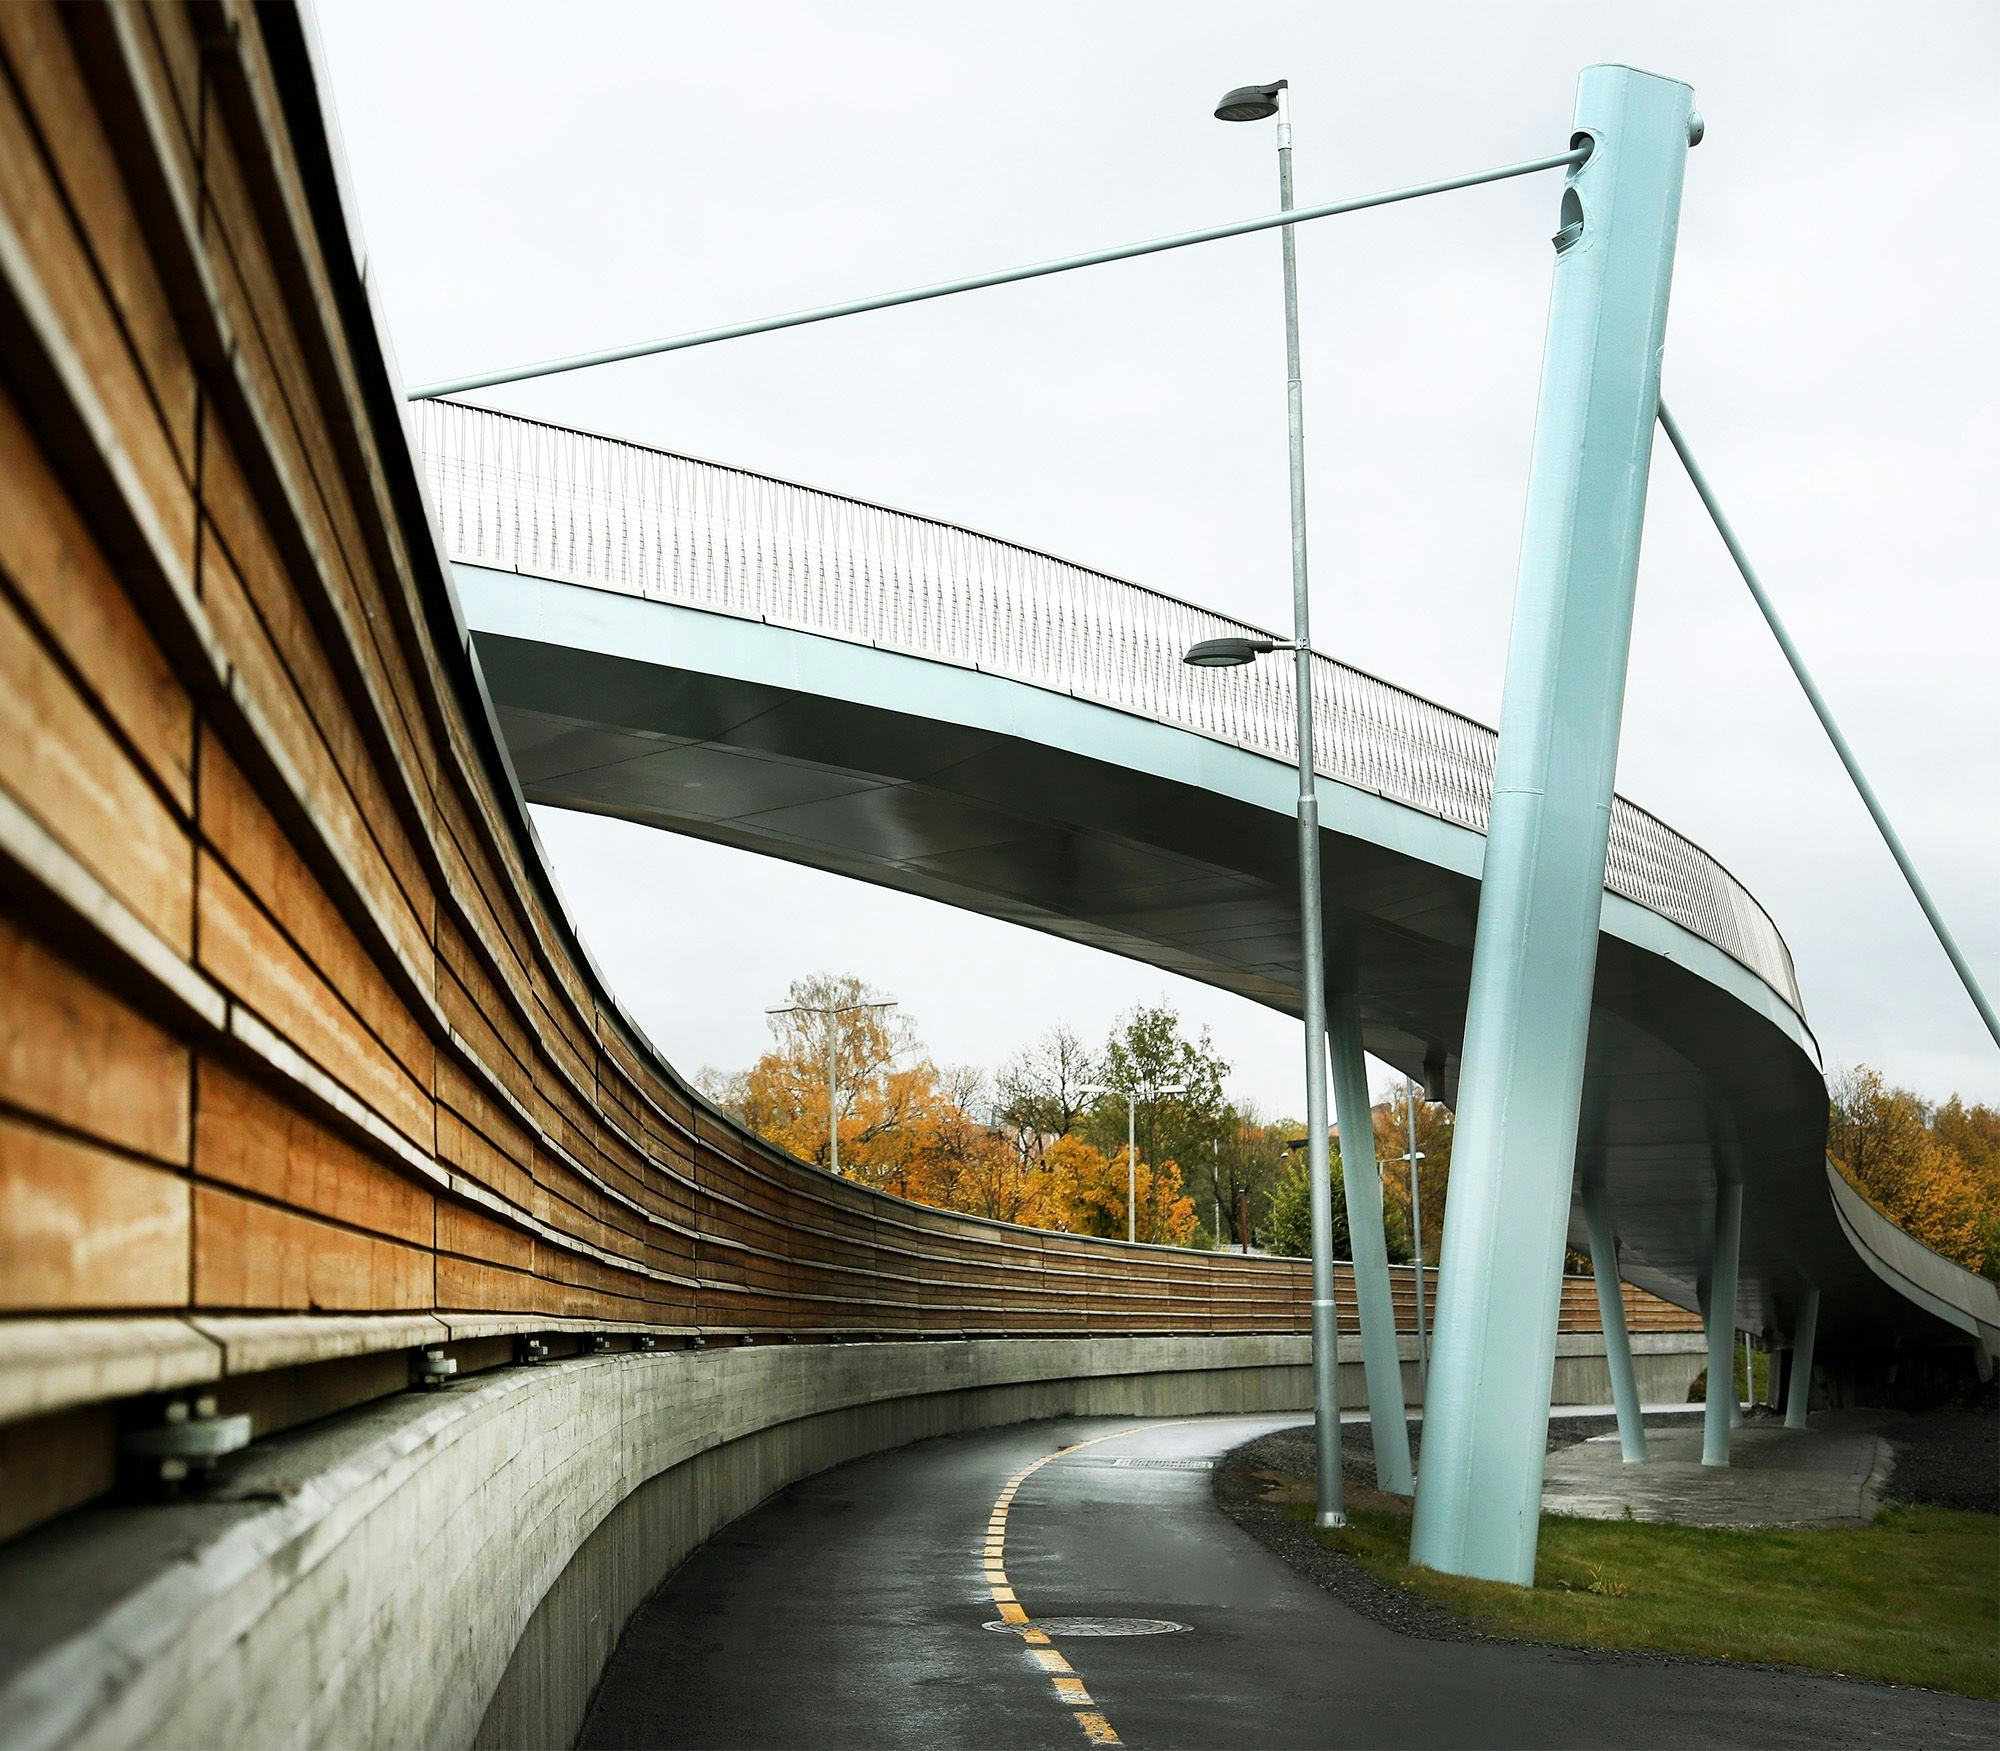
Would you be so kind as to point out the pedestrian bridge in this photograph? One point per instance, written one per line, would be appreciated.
(792, 672)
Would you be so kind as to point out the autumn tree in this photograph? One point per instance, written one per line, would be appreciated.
(1973, 1134)
(911, 1128)
(783, 1096)
(1434, 1131)
(1082, 1190)
(952, 1157)
(1883, 1140)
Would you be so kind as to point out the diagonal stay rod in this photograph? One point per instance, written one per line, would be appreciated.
(1825, 714)
(1005, 276)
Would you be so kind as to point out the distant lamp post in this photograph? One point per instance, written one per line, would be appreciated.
(832, 1012)
(1413, 1155)
(1255, 103)
(1131, 1146)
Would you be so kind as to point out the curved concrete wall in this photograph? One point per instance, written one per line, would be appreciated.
(1953, 1294)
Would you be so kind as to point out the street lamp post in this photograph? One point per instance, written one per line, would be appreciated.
(1414, 1155)
(831, 1013)
(1132, 1145)
(1249, 103)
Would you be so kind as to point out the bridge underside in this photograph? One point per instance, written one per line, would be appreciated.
(1151, 842)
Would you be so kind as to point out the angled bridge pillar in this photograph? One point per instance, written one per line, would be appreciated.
(1479, 1496)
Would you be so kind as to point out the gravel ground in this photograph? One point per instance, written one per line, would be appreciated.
(1292, 1449)
(1950, 1458)
(1239, 1495)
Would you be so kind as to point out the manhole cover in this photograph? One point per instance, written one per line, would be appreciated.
(1165, 1464)
(1056, 1627)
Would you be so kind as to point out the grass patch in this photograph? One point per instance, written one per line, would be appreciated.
(1914, 1598)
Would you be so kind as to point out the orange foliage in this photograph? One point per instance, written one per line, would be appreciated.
(1084, 1191)
(1913, 1170)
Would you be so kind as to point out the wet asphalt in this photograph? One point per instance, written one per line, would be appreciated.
(848, 1612)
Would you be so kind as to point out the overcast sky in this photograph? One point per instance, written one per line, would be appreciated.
(539, 179)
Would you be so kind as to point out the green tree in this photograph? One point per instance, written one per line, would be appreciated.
(1147, 1051)
(1288, 1229)
(1245, 1162)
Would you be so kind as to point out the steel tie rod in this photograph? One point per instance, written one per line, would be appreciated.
(1005, 276)
(1825, 714)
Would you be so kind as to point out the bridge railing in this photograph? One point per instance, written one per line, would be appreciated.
(518, 494)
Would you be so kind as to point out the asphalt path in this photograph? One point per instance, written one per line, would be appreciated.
(849, 1611)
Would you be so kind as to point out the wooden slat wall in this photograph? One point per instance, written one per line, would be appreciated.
(291, 1024)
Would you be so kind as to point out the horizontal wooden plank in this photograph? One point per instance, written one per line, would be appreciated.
(63, 765)
(247, 1136)
(73, 1053)
(33, 208)
(251, 1255)
(81, 1227)
(70, 590)
(243, 950)
(37, 49)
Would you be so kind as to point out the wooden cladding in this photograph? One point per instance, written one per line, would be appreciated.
(290, 1023)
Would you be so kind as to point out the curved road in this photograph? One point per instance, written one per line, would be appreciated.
(848, 1611)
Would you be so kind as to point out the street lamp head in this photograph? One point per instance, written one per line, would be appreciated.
(1227, 653)
(1250, 103)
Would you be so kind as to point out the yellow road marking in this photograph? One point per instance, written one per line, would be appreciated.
(1068, 1687)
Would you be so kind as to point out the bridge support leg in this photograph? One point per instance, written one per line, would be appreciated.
(1611, 1318)
(1361, 1175)
(1798, 1391)
(1721, 1412)
(1534, 955)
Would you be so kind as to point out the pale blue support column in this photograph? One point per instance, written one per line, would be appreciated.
(1362, 1177)
(1500, 1284)
(1721, 1411)
(1611, 1318)
(1798, 1391)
